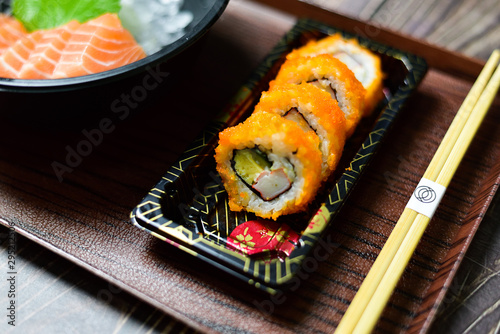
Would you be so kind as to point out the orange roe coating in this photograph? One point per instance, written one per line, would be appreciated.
(271, 133)
(350, 92)
(365, 64)
(321, 112)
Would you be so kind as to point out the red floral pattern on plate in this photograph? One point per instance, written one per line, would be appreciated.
(260, 236)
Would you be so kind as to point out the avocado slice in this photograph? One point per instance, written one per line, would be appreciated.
(249, 163)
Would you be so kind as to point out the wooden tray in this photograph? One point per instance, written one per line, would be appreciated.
(85, 218)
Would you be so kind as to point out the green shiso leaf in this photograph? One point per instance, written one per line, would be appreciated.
(47, 14)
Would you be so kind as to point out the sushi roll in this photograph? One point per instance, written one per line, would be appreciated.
(313, 109)
(269, 165)
(365, 65)
(331, 75)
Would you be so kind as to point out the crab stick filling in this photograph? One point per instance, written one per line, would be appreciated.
(266, 174)
(295, 115)
(325, 85)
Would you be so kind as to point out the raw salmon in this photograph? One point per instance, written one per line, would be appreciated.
(96, 46)
(16, 56)
(49, 47)
(10, 31)
(71, 50)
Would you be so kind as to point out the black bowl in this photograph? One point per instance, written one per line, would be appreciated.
(120, 91)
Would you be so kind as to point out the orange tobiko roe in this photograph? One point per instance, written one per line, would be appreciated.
(320, 111)
(306, 69)
(274, 134)
(336, 45)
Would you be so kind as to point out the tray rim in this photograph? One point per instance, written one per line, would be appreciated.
(230, 260)
(454, 71)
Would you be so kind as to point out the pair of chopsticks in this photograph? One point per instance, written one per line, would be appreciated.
(375, 291)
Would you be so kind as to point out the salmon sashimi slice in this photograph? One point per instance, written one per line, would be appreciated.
(11, 30)
(98, 45)
(15, 57)
(71, 50)
(47, 52)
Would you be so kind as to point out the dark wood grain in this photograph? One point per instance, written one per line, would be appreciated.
(58, 296)
(438, 57)
(91, 251)
(464, 26)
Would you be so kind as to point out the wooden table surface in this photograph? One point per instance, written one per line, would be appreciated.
(58, 296)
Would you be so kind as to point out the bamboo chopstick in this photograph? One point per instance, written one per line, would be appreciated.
(371, 298)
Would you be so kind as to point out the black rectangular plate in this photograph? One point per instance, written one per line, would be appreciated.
(188, 207)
